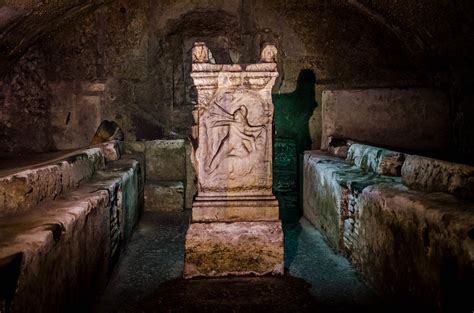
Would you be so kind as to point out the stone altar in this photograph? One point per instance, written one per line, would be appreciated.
(235, 227)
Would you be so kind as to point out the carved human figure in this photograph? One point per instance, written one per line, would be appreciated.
(239, 139)
(200, 53)
(268, 54)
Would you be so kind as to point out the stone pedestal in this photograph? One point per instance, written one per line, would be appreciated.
(238, 248)
(235, 227)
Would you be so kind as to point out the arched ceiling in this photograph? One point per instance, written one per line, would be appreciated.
(430, 31)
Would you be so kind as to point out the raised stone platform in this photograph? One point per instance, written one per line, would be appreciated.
(60, 240)
(239, 248)
(412, 236)
(21, 188)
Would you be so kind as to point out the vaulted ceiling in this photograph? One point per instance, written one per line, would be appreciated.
(431, 32)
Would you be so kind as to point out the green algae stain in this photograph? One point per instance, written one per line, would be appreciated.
(291, 138)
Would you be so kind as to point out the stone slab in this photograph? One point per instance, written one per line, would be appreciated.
(433, 175)
(29, 186)
(214, 209)
(164, 196)
(412, 119)
(240, 248)
(165, 160)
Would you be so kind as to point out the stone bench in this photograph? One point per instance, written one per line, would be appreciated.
(417, 238)
(412, 236)
(332, 186)
(27, 187)
(57, 255)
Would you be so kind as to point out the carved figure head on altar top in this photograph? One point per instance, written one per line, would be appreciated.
(268, 53)
(200, 52)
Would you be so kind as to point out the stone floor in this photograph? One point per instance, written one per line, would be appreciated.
(147, 279)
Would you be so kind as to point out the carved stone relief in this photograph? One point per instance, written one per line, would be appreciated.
(232, 155)
(234, 131)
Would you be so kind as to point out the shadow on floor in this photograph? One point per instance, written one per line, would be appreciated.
(237, 294)
(147, 278)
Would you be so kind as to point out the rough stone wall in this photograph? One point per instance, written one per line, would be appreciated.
(139, 50)
(388, 117)
(25, 105)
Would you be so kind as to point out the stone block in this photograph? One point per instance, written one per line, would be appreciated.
(412, 119)
(165, 160)
(134, 146)
(433, 175)
(223, 209)
(164, 196)
(240, 248)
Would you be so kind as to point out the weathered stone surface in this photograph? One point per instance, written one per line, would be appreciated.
(331, 190)
(339, 146)
(164, 196)
(232, 156)
(68, 244)
(74, 117)
(130, 194)
(417, 245)
(407, 242)
(23, 190)
(191, 178)
(228, 209)
(134, 146)
(140, 158)
(388, 117)
(233, 152)
(432, 175)
(240, 248)
(233, 135)
(165, 160)
(375, 159)
(25, 104)
(112, 150)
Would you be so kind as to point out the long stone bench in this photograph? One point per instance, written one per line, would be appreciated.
(332, 187)
(27, 187)
(58, 254)
(412, 236)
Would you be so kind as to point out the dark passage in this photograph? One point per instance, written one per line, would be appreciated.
(291, 138)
